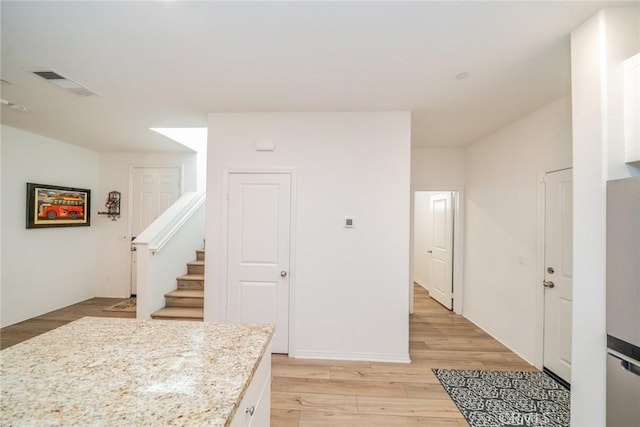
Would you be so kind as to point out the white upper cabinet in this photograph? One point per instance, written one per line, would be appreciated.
(632, 109)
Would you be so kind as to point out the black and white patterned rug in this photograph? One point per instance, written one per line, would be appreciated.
(507, 398)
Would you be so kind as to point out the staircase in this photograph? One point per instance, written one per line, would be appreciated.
(187, 301)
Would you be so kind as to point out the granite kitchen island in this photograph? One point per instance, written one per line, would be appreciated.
(107, 372)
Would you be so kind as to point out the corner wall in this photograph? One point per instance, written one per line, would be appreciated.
(598, 49)
(351, 285)
(44, 269)
(501, 222)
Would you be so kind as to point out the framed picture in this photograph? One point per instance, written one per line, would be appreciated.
(55, 206)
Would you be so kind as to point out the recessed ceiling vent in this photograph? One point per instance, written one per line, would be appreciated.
(63, 82)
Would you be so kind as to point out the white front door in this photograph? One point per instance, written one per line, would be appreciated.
(441, 249)
(558, 274)
(259, 227)
(153, 191)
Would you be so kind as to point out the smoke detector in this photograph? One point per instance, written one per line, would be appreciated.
(62, 82)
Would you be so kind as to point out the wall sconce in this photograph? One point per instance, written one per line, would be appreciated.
(112, 205)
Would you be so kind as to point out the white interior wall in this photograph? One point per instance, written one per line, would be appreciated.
(44, 269)
(350, 285)
(598, 49)
(501, 222)
(437, 168)
(114, 250)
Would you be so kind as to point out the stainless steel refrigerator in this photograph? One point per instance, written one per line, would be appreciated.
(623, 302)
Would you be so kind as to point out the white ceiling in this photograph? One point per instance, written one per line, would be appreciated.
(169, 63)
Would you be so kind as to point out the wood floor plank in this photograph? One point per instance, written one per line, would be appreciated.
(357, 388)
(425, 391)
(314, 402)
(465, 344)
(330, 419)
(285, 418)
(509, 366)
(440, 408)
(476, 356)
(401, 373)
(300, 371)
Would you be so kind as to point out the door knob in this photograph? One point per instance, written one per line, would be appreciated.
(429, 252)
(283, 273)
(548, 284)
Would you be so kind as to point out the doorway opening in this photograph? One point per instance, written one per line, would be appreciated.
(152, 190)
(436, 255)
(556, 285)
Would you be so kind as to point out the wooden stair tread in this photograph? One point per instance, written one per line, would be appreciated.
(185, 293)
(191, 277)
(195, 313)
(187, 301)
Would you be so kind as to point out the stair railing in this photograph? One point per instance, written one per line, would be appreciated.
(164, 248)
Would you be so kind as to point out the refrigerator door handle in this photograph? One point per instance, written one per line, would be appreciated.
(626, 363)
(630, 367)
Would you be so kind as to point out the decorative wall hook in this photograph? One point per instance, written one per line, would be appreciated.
(113, 205)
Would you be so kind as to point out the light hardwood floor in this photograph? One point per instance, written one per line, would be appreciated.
(331, 393)
(22, 331)
(339, 393)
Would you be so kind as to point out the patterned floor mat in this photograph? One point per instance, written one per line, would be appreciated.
(507, 398)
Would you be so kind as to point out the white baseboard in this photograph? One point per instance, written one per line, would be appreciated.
(527, 358)
(362, 357)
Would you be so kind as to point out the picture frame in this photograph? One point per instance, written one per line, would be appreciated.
(56, 206)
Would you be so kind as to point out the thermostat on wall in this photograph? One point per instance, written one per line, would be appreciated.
(348, 222)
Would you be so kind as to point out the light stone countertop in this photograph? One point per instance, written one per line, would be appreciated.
(127, 372)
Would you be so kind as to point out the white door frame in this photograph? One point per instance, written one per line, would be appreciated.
(457, 202)
(539, 293)
(224, 258)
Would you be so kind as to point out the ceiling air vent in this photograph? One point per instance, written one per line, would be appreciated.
(63, 82)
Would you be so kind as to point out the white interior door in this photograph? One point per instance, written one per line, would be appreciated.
(153, 191)
(259, 227)
(558, 292)
(441, 249)
(421, 244)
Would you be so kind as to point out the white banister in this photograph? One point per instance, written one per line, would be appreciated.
(160, 231)
(164, 248)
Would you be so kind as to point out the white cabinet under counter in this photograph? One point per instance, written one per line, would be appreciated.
(105, 372)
